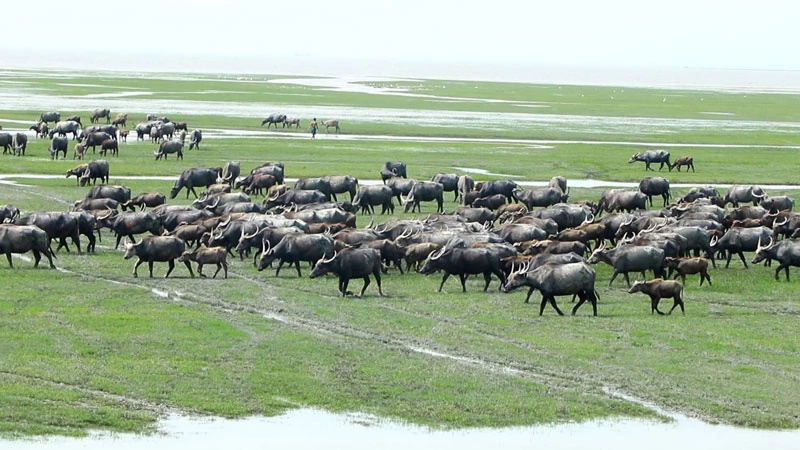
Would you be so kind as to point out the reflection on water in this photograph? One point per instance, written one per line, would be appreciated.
(314, 429)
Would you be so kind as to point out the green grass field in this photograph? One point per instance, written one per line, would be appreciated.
(90, 347)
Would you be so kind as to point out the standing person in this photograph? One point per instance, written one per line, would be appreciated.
(313, 128)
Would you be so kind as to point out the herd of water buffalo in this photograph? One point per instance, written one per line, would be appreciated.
(160, 130)
(523, 237)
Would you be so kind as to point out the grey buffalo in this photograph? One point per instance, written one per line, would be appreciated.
(744, 194)
(7, 142)
(58, 144)
(651, 156)
(629, 258)
(331, 123)
(65, 128)
(94, 170)
(425, 191)
(99, 114)
(352, 263)
(191, 178)
(342, 183)
(651, 186)
(273, 119)
(554, 280)
(48, 117)
(449, 182)
(195, 138)
(393, 169)
(157, 249)
(25, 238)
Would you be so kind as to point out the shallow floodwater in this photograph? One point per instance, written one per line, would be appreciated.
(315, 429)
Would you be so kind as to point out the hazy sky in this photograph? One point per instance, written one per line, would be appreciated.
(674, 33)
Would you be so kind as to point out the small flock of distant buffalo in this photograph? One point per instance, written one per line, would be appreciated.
(289, 121)
(523, 237)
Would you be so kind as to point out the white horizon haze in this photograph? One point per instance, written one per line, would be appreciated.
(615, 33)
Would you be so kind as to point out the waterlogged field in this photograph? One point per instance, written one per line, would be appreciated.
(90, 347)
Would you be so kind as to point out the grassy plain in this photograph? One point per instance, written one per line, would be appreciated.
(90, 347)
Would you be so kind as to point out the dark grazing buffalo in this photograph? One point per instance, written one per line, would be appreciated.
(119, 193)
(57, 225)
(20, 143)
(230, 172)
(171, 147)
(276, 169)
(425, 191)
(257, 182)
(191, 178)
(651, 156)
(7, 142)
(95, 138)
(128, 224)
(48, 117)
(393, 169)
(146, 199)
(294, 248)
(492, 202)
(455, 260)
(342, 183)
(370, 196)
(100, 113)
(352, 263)
(58, 144)
(687, 161)
(651, 186)
(541, 197)
(449, 182)
(778, 203)
(786, 252)
(657, 289)
(157, 249)
(740, 240)
(25, 238)
(630, 258)
(94, 170)
(8, 212)
(557, 279)
(319, 184)
(505, 187)
(400, 186)
(295, 196)
(273, 119)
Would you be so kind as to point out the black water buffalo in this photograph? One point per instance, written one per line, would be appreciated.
(778, 203)
(630, 258)
(95, 138)
(505, 187)
(276, 169)
(651, 156)
(455, 260)
(20, 143)
(57, 225)
(740, 240)
(195, 138)
(128, 224)
(352, 263)
(25, 238)
(449, 182)
(294, 248)
(58, 144)
(171, 147)
(121, 194)
(492, 202)
(393, 169)
(295, 196)
(554, 280)
(7, 142)
(157, 249)
(342, 183)
(48, 117)
(651, 186)
(541, 197)
(370, 196)
(786, 252)
(94, 170)
(230, 172)
(319, 184)
(425, 191)
(400, 186)
(273, 119)
(191, 178)
(8, 212)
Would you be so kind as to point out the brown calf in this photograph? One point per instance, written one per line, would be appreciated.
(688, 266)
(416, 253)
(207, 255)
(658, 289)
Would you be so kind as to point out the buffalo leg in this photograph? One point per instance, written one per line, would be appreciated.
(37, 256)
(582, 296)
(377, 274)
(528, 297)
(136, 267)
(297, 266)
(741, 256)
(150, 266)
(366, 283)
(344, 282)
(552, 300)
(171, 264)
(200, 270)
(542, 305)
(706, 276)
(278, 270)
(678, 302)
(654, 305)
(487, 277)
(463, 278)
(613, 277)
(627, 279)
(728, 262)
(444, 278)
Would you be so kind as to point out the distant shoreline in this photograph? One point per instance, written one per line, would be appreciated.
(768, 81)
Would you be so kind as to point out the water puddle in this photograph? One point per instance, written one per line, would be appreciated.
(307, 428)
